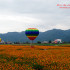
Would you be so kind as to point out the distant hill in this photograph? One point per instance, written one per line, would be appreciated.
(43, 36)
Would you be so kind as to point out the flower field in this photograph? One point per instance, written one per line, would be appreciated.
(15, 57)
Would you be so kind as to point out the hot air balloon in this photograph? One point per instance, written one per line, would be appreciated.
(0, 39)
(32, 33)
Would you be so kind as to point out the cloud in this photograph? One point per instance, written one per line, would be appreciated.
(17, 15)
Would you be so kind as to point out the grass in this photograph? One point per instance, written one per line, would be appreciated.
(68, 44)
(45, 44)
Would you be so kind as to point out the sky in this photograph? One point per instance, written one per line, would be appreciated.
(18, 15)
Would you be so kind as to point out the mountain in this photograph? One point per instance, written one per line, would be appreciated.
(43, 36)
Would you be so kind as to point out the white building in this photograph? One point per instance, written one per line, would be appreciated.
(45, 42)
(57, 41)
(2, 42)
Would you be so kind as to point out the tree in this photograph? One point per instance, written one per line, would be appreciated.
(39, 42)
(50, 41)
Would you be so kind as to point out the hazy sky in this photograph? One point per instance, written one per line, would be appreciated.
(18, 15)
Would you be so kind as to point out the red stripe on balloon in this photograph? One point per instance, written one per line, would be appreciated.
(31, 38)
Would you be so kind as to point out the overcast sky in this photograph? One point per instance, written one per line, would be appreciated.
(18, 15)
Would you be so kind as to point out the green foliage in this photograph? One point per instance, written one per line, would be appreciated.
(12, 58)
(37, 66)
(19, 62)
(19, 49)
(2, 61)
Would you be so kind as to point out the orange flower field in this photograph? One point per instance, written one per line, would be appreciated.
(15, 57)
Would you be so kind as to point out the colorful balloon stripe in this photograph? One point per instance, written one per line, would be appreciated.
(31, 30)
(32, 35)
(31, 38)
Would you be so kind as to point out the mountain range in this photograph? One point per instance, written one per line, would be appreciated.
(43, 36)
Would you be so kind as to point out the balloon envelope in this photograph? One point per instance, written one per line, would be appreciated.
(32, 33)
(0, 39)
